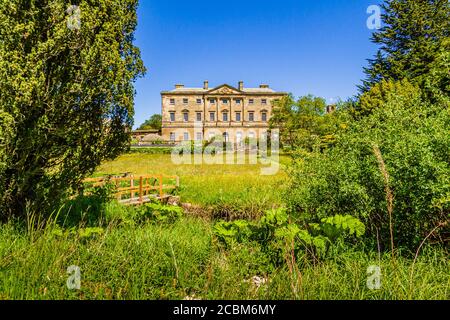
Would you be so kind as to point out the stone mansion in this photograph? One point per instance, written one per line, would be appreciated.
(203, 113)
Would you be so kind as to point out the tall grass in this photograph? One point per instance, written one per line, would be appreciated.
(183, 260)
(122, 263)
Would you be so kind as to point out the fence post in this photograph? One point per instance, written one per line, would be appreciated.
(119, 196)
(132, 192)
(140, 189)
(160, 186)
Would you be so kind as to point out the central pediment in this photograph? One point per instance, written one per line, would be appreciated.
(224, 89)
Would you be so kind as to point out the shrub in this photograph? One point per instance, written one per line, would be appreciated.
(158, 212)
(414, 143)
(279, 236)
(387, 90)
(151, 150)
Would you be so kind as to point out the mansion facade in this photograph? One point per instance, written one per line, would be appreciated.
(203, 113)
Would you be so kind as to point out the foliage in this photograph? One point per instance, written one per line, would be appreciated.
(414, 140)
(334, 227)
(66, 96)
(403, 92)
(155, 122)
(81, 233)
(151, 150)
(302, 123)
(159, 213)
(6, 135)
(278, 234)
(233, 232)
(414, 44)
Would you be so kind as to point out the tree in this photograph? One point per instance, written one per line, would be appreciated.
(155, 122)
(301, 123)
(383, 92)
(66, 90)
(414, 44)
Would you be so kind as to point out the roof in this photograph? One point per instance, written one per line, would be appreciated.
(228, 90)
(188, 89)
(144, 131)
(152, 137)
(251, 90)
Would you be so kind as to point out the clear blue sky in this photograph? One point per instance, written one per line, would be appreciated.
(297, 46)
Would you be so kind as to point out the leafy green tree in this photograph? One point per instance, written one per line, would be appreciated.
(302, 123)
(66, 93)
(383, 92)
(414, 44)
(155, 122)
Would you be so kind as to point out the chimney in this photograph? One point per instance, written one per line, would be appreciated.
(206, 85)
(179, 86)
(264, 86)
(241, 85)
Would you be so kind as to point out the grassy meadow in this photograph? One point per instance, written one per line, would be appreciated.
(126, 258)
(226, 189)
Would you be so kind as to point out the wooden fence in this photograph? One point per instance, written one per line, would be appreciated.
(133, 190)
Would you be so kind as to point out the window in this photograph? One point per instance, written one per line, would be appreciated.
(251, 101)
(199, 136)
(251, 116)
(186, 136)
(185, 101)
(225, 116)
(172, 101)
(199, 116)
(212, 101)
(264, 101)
(172, 136)
(238, 101)
(264, 135)
(186, 117)
(212, 116)
(264, 116)
(239, 137)
(225, 136)
(225, 101)
(238, 116)
(199, 101)
(172, 117)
